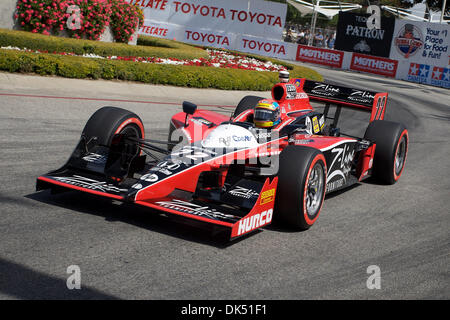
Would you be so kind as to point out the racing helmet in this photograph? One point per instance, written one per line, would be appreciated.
(267, 114)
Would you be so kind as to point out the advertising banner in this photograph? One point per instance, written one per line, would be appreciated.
(424, 73)
(422, 49)
(326, 57)
(251, 17)
(372, 64)
(421, 42)
(263, 47)
(202, 37)
(353, 35)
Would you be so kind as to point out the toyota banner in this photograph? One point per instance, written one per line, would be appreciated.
(220, 24)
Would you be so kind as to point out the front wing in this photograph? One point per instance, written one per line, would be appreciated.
(237, 221)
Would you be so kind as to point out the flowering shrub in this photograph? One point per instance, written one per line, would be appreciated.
(125, 19)
(94, 18)
(82, 66)
(176, 75)
(89, 21)
(42, 16)
(217, 59)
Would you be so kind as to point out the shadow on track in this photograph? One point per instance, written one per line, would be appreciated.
(145, 218)
(22, 282)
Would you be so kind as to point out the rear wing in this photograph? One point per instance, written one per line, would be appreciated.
(369, 101)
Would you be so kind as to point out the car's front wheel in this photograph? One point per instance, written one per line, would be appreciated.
(108, 122)
(301, 187)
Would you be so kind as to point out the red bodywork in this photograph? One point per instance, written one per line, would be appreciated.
(294, 99)
(291, 108)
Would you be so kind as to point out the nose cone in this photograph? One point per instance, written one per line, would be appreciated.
(230, 136)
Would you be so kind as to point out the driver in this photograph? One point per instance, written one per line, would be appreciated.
(267, 114)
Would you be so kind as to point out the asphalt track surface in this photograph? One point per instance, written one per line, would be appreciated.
(129, 253)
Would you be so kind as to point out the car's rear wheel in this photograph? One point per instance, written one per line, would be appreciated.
(246, 103)
(301, 186)
(391, 139)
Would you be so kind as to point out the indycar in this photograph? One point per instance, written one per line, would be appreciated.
(226, 172)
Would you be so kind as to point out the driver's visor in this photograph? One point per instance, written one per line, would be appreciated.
(263, 114)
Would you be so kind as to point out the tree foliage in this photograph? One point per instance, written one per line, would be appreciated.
(293, 16)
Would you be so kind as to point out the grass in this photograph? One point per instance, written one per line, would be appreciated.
(151, 48)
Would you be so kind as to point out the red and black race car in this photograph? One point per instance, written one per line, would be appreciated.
(226, 171)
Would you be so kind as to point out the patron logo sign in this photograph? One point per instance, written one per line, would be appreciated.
(355, 35)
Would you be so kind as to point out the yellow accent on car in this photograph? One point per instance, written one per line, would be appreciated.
(264, 124)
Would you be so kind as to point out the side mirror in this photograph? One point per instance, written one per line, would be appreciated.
(189, 107)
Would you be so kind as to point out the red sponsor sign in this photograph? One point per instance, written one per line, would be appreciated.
(372, 64)
(331, 58)
(154, 30)
(261, 46)
(208, 38)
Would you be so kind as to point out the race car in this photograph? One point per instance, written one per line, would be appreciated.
(272, 159)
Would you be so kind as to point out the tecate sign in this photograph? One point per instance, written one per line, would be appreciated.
(332, 58)
(372, 64)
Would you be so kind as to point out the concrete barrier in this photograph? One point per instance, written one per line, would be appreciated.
(7, 10)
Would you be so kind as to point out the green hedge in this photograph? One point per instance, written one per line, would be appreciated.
(188, 76)
(295, 71)
(157, 42)
(166, 49)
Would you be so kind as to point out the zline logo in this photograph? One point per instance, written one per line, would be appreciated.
(243, 192)
(325, 90)
(91, 184)
(340, 166)
(192, 208)
(360, 96)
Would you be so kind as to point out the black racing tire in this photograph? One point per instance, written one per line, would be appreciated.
(391, 139)
(246, 103)
(106, 122)
(297, 170)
